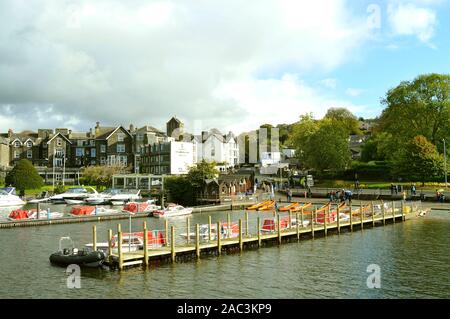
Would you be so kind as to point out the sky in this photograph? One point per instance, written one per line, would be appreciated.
(226, 64)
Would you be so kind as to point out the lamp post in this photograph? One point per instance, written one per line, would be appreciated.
(54, 154)
(445, 163)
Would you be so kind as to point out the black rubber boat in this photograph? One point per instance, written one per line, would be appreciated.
(73, 256)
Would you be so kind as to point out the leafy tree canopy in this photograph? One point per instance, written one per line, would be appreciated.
(24, 176)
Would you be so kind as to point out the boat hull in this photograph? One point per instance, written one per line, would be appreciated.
(91, 260)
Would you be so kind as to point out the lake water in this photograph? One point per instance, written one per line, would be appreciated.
(414, 259)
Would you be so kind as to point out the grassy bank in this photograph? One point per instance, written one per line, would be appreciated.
(377, 184)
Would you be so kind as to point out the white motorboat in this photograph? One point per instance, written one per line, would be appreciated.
(135, 207)
(113, 196)
(44, 197)
(227, 231)
(74, 201)
(172, 211)
(8, 197)
(20, 214)
(78, 193)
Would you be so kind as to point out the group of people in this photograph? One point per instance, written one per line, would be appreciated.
(340, 195)
(440, 196)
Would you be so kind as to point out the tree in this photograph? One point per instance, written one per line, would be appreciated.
(345, 118)
(180, 190)
(321, 145)
(418, 107)
(419, 160)
(379, 147)
(100, 176)
(24, 176)
(198, 173)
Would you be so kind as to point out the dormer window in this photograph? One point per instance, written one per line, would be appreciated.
(120, 137)
(29, 144)
(17, 144)
(59, 141)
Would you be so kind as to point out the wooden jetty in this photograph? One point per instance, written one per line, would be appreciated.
(253, 237)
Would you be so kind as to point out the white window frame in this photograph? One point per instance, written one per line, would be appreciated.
(77, 151)
(16, 154)
(58, 141)
(121, 148)
(29, 154)
(102, 148)
(17, 144)
(29, 144)
(93, 152)
(120, 137)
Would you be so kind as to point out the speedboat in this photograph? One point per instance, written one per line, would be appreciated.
(72, 194)
(8, 197)
(271, 224)
(91, 211)
(40, 199)
(73, 256)
(20, 214)
(132, 242)
(116, 196)
(173, 210)
(135, 207)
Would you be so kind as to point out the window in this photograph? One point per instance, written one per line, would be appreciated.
(58, 162)
(59, 141)
(213, 152)
(17, 143)
(16, 154)
(80, 143)
(103, 148)
(29, 144)
(120, 148)
(92, 142)
(93, 152)
(59, 152)
(122, 160)
(79, 152)
(29, 154)
(102, 160)
(120, 137)
(140, 137)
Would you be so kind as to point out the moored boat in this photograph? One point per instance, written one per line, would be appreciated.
(8, 197)
(132, 242)
(73, 256)
(72, 194)
(91, 211)
(173, 210)
(226, 231)
(20, 214)
(135, 207)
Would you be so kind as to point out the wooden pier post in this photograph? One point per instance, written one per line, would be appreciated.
(172, 243)
(197, 240)
(166, 227)
(110, 248)
(258, 227)
(188, 227)
(338, 219)
(372, 209)
(209, 228)
(38, 210)
(403, 211)
(302, 217)
(325, 213)
(312, 221)
(298, 225)
(383, 211)
(351, 216)
(290, 219)
(279, 229)
(219, 235)
(361, 215)
(393, 212)
(246, 224)
(94, 238)
(229, 225)
(119, 248)
(145, 245)
(240, 235)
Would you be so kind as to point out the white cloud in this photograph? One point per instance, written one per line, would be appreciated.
(411, 20)
(329, 83)
(353, 92)
(128, 62)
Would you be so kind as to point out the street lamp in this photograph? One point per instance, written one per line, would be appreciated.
(445, 163)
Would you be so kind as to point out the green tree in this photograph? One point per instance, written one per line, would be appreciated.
(419, 160)
(379, 147)
(345, 118)
(179, 190)
(302, 131)
(100, 176)
(24, 176)
(198, 173)
(418, 107)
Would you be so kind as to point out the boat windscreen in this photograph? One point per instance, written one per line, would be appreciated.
(76, 190)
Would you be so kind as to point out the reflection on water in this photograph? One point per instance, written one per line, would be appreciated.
(413, 257)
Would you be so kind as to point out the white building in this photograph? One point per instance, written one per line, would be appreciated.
(212, 146)
(270, 158)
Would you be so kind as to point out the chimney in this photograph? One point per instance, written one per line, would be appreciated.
(91, 132)
(10, 133)
(131, 128)
(98, 125)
